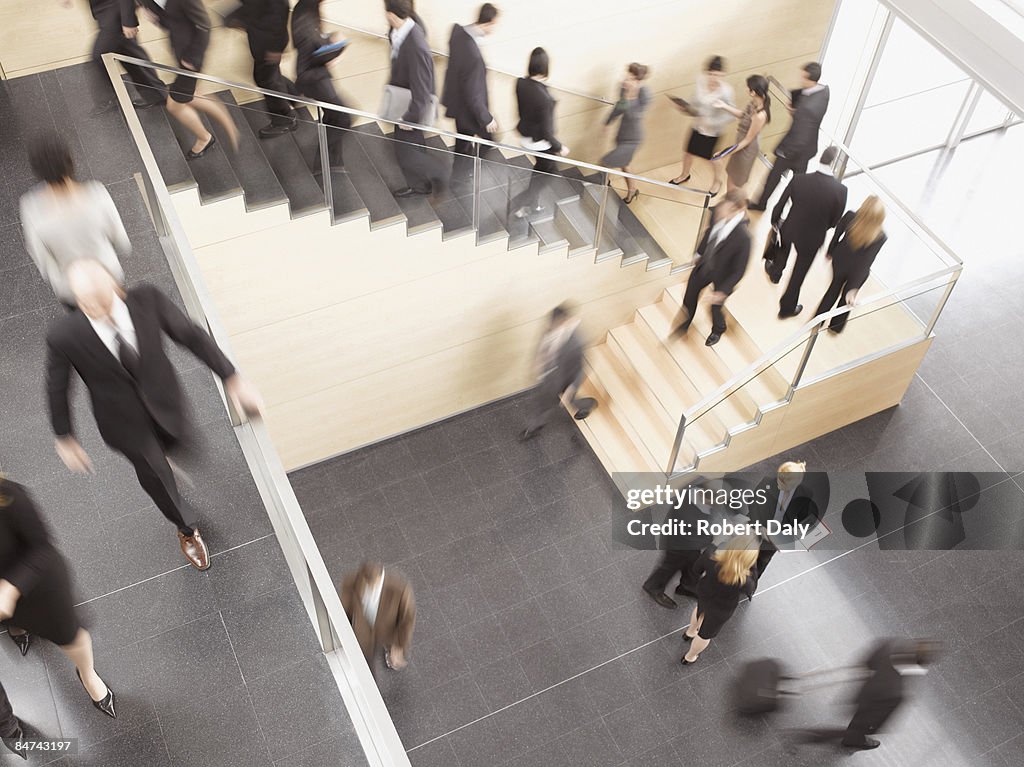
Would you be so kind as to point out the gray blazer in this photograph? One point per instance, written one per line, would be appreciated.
(631, 128)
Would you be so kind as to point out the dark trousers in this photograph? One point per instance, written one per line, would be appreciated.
(9, 723)
(268, 75)
(780, 166)
(547, 396)
(673, 562)
(805, 254)
(465, 151)
(543, 167)
(699, 279)
(149, 458)
(111, 39)
(836, 293)
(868, 720)
(422, 167)
(321, 88)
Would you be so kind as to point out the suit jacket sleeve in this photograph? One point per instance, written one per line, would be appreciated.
(38, 554)
(128, 17)
(58, 384)
(421, 66)
(186, 333)
(860, 271)
(476, 87)
(406, 618)
(196, 13)
(738, 258)
(841, 227)
(780, 206)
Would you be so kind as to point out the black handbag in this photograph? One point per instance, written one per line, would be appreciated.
(773, 245)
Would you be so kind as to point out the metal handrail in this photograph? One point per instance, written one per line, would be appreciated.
(704, 193)
(436, 52)
(283, 509)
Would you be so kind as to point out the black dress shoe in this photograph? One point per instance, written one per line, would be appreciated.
(277, 129)
(409, 191)
(865, 744)
(106, 705)
(662, 599)
(682, 591)
(713, 339)
(756, 208)
(527, 434)
(190, 155)
(786, 315)
(148, 103)
(24, 641)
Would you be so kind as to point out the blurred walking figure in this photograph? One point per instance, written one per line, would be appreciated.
(412, 77)
(855, 243)
(721, 261)
(726, 574)
(559, 367)
(382, 610)
(465, 87)
(537, 130)
(634, 99)
(118, 33)
(64, 220)
(890, 666)
(808, 105)
(10, 726)
(752, 121)
(710, 118)
(818, 201)
(188, 25)
(115, 344)
(266, 26)
(313, 78)
(35, 593)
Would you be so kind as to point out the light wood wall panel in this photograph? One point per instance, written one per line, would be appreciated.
(359, 335)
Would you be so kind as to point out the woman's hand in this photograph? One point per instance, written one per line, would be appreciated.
(9, 595)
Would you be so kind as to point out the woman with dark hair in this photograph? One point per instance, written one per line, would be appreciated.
(752, 120)
(633, 101)
(35, 591)
(709, 120)
(64, 220)
(537, 129)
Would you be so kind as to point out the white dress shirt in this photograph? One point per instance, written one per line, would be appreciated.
(119, 321)
(399, 35)
(371, 600)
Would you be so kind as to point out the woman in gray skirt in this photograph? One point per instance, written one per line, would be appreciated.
(633, 100)
(751, 121)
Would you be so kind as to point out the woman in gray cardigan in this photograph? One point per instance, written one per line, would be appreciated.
(64, 220)
(632, 103)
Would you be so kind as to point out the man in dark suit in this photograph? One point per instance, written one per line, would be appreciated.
(679, 555)
(818, 202)
(114, 341)
(559, 368)
(722, 258)
(465, 86)
(808, 105)
(10, 726)
(266, 26)
(118, 32)
(788, 499)
(412, 68)
(891, 663)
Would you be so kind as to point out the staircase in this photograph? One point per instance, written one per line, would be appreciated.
(285, 169)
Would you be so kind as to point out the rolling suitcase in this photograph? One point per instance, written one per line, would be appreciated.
(762, 685)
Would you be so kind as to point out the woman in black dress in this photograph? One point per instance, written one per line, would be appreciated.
(726, 574)
(35, 591)
(856, 242)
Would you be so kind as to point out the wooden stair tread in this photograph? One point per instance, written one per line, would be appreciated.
(738, 351)
(616, 450)
(667, 383)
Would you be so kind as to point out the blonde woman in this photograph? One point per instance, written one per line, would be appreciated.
(856, 242)
(725, 574)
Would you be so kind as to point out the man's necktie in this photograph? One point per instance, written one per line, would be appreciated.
(128, 356)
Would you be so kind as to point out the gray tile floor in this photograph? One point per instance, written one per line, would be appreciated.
(535, 645)
(215, 669)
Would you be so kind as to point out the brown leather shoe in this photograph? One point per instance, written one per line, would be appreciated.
(194, 549)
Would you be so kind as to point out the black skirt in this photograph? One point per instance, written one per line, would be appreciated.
(700, 145)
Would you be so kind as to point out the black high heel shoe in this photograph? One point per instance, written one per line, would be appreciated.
(24, 641)
(687, 637)
(630, 197)
(190, 155)
(106, 705)
(687, 662)
(679, 181)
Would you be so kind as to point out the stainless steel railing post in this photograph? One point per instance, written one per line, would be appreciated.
(325, 162)
(601, 213)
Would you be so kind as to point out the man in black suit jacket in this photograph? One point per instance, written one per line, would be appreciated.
(412, 67)
(465, 86)
(679, 555)
(114, 341)
(808, 105)
(818, 202)
(118, 30)
(266, 26)
(788, 499)
(722, 258)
